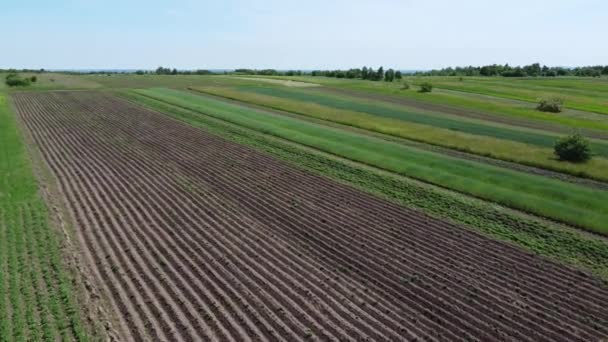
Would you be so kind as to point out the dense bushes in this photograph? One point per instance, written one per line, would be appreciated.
(552, 105)
(426, 87)
(574, 148)
(13, 80)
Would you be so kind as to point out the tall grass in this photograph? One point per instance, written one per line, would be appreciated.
(486, 146)
(551, 198)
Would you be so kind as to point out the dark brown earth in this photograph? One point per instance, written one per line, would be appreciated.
(196, 238)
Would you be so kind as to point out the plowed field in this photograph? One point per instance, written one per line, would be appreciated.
(196, 238)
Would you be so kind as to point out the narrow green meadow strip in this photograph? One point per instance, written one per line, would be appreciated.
(34, 285)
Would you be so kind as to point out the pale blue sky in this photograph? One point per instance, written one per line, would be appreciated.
(311, 34)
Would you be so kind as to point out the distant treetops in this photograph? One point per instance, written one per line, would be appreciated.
(364, 73)
(380, 74)
(168, 71)
(532, 70)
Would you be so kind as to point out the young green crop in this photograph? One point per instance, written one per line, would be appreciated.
(550, 198)
(541, 237)
(36, 297)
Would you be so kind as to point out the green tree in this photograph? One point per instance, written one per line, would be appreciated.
(389, 75)
(364, 73)
(379, 74)
(398, 75)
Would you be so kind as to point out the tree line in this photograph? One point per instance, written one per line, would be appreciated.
(14, 71)
(364, 73)
(532, 70)
(168, 71)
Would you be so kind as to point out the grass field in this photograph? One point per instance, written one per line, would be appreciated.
(494, 106)
(389, 119)
(538, 236)
(36, 297)
(587, 94)
(546, 197)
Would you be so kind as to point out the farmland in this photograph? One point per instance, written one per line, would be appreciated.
(196, 237)
(224, 208)
(475, 178)
(36, 295)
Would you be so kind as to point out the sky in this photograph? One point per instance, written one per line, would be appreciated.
(307, 34)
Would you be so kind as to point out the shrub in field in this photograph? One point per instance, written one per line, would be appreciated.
(573, 148)
(33, 79)
(426, 87)
(13, 80)
(553, 105)
(405, 86)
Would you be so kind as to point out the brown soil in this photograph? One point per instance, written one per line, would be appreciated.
(197, 238)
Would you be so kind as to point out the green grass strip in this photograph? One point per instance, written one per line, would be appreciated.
(27, 238)
(567, 246)
(550, 198)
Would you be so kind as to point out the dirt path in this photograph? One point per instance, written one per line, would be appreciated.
(197, 238)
